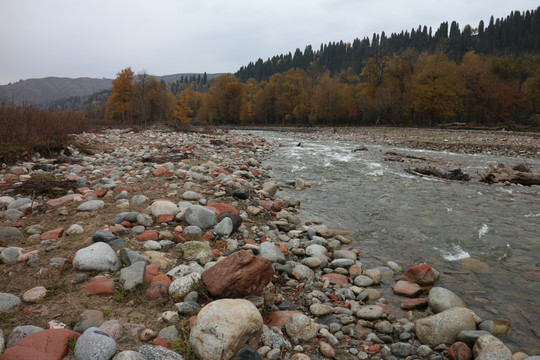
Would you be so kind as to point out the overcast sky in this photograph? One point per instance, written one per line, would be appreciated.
(98, 38)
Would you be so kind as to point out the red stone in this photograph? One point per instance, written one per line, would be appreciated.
(266, 204)
(208, 236)
(421, 274)
(238, 275)
(216, 252)
(374, 349)
(164, 218)
(277, 205)
(148, 235)
(459, 351)
(53, 234)
(355, 270)
(282, 248)
(339, 279)
(278, 318)
(82, 190)
(100, 286)
(18, 171)
(63, 200)
(157, 290)
(218, 208)
(28, 310)
(151, 271)
(119, 189)
(179, 239)
(126, 224)
(409, 304)
(161, 171)
(101, 192)
(255, 172)
(162, 278)
(406, 288)
(161, 342)
(50, 344)
(192, 320)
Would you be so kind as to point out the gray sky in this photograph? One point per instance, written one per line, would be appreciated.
(98, 38)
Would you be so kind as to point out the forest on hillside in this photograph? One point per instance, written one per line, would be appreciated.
(483, 76)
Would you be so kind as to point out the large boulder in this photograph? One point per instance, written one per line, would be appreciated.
(44, 344)
(163, 207)
(99, 257)
(441, 299)
(94, 344)
(240, 274)
(444, 327)
(488, 347)
(223, 327)
(9, 235)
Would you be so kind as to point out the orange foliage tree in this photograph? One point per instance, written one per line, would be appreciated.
(120, 104)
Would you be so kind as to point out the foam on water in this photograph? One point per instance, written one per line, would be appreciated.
(531, 215)
(483, 230)
(455, 254)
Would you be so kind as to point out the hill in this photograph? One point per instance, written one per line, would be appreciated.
(49, 90)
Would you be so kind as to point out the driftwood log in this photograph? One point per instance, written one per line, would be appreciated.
(502, 174)
(455, 174)
(394, 156)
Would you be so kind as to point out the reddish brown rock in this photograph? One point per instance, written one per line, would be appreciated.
(35, 294)
(278, 318)
(267, 204)
(235, 218)
(53, 234)
(148, 235)
(162, 342)
(50, 344)
(163, 278)
(157, 290)
(410, 304)
(355, 270)
(161, 171)
(151, 271)
(459, 351)
(164, 218)
(282, 248)
(406, 288)
(421, 274)
(100, 286)
(218, 208)
(101, 192)
(240, 274)
(339, 279)
(64, 199)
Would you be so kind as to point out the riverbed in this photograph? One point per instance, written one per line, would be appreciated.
(483, 239)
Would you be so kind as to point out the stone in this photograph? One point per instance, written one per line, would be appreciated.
(238, 275)
(248, 353)
(91, 205)
(100, 286)
(10, 235)
(271, 252)
(301, 328)
(152, 352)
(497, 327)
(200, 216)
(370, 312)
(169, 333)
(410, 304)
(19, 203)
(90, 318)
(219, 208)
(145, 220)
(488, 347)
(129, 257)
(338, 279)
(363, 281)
(374, 275)
(459, 351)
(94, 344)
(163, 207)
(270, 187)
(278, 318)
(113, 328)
(101, 235)
(320, 309)
(421, 274)
(190, 195)
(44, 344)
(182, 286)
(52, 234)
(223, 327)
(139, 199)
(133, 275)
(441, 299)
(224, 227)
(344, 254)
(8, 301)
(406, 288)
(327, 349)
(35, 294)
(10, 255)
(316, 250)
(148, 235)
(444, 327)
(197, 251)
(303, 273)
(20, 332)
(157, 290)
(469, 337)
(99, 257)
(129, 355)
(241, 194)
(74, 230)
(402, 349)
(12, 214)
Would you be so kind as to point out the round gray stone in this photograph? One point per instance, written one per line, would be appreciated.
(19, 203)
(103, 236)
(129, 355)
(271, 252)
(10, 255)
(192, 230)
(200, 216)
(99, 256)
(12, 214)
(9, 235)
(8, 301)
(224, 227)
(441, 299)
(363, 281)
(144, 220)
(94, 344)
(133, 275)
(152, 352)
(91, 205)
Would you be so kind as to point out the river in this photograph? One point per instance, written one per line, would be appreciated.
(481, 238)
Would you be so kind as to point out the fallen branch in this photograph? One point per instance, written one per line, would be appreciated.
(502, 174)
(398, 157)
(455, 174)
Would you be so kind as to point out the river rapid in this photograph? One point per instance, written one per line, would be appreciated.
(483, 239)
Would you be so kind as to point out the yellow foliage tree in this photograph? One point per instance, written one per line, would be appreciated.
(120, 104)
(183, 112)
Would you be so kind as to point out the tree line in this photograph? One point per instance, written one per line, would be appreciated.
(408, 89)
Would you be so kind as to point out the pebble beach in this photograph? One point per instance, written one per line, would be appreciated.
(170, 245)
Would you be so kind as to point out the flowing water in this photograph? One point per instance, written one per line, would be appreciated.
(481, 238)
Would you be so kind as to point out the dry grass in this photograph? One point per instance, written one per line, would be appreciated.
(24, 128)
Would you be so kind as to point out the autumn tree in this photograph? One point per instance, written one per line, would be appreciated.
(226, 99)
(183, 111)
(437, 89)
(120, 104)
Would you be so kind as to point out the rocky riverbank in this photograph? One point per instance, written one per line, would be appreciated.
(178, 246)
